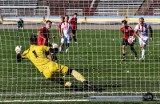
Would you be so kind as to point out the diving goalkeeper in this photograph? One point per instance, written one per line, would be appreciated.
(51, 70)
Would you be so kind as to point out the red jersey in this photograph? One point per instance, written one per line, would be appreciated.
(59, 25)
(45, 33)
(73, 22)
(128, 31)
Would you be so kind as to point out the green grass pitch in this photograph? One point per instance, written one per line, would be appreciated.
(97, 56)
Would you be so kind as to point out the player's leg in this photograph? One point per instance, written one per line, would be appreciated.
(142, 44)
(67, 44)
(124, 43)
(143, 52)
(53, 67)
(74, 35)
(78, 76)
(61, 45)
(81, 78)
(57, 77)
(133, 50)
(55, 72)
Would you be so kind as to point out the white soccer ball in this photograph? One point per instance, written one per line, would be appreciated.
(54, 45)
(131, 39)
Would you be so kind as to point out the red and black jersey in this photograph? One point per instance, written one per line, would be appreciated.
(45, 33)
(59, 25)
(127, 31)
(73, 22)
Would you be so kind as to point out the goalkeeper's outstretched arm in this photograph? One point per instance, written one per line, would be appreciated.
(18, 53)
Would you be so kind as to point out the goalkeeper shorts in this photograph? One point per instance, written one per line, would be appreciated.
(52, 69)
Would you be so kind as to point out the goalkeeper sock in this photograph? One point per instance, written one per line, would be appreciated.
(68, 84)
(143, 53)
(77, 75)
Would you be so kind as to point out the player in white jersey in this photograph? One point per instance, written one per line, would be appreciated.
(65, 33)
(141, 32)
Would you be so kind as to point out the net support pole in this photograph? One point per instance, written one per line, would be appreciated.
(117, 98)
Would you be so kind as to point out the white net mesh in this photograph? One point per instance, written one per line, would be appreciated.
(97, 56)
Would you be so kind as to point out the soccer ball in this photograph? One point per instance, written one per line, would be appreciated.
(131, 39)
(54, 45)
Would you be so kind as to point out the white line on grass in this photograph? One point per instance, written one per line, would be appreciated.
(71, 93)
(81, 100)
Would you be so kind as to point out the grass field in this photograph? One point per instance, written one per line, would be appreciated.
(97, 56)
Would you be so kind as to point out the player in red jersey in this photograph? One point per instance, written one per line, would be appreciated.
(73, 22)
(43, 34)
(59, 31)
(127, 32)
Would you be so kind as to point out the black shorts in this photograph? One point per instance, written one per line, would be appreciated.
(125, 42)
(74, 32)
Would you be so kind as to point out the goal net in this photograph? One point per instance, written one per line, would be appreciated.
(97, 56)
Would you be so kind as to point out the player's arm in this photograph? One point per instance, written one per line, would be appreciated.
(50, 37)
(59, 32)
(20, 56)
(151, 33)
(70, 21)
(136, 35)
(50, 51)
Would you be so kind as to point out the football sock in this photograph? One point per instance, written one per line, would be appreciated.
(67, 50)
(74, 38)
(134, 51)
(143, 53)
(77, 75)
(124, 55)
(60, 49)
(68, 84)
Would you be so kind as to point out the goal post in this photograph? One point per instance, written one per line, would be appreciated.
(13, 12)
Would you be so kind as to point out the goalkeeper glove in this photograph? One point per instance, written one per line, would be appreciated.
(18, 49)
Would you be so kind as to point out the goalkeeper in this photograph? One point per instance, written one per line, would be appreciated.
(51, 70)
(20, 24)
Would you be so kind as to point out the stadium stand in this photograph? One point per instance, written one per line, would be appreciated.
(117, 7)
(18, 2)
(82, 7)
(63, 7)
(18, 7)
(150, 7)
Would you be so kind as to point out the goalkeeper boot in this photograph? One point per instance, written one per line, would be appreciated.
(92, 87)
(75, 88)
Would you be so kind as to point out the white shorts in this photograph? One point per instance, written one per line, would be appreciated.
(65, 39)
(143, 41)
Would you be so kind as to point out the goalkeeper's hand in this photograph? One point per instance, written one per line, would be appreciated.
(18, 49)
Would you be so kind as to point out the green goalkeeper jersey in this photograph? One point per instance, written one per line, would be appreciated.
(20, 23)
